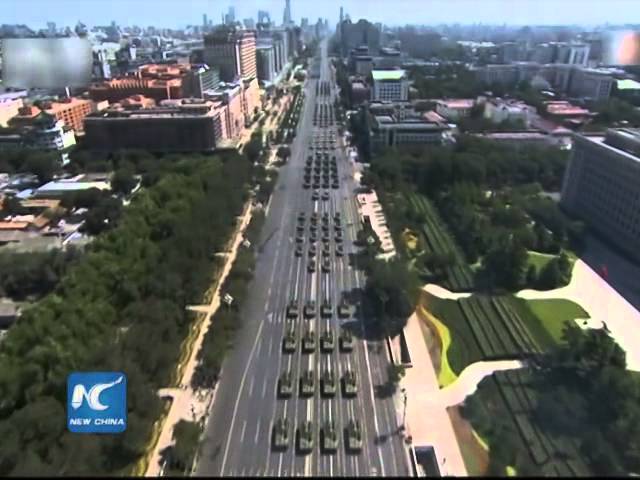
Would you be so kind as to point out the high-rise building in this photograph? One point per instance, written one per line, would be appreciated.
(356, 34)
(264, 17)
(232, 51)
(205, 22)
(286, 17)
(249, 23)
(230, 17)
(390, 85)
(266, 63)
(601, 186)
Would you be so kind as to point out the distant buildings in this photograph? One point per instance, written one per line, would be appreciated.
(286, 17)
(390, 85)
(398, 124)
(455, 109)
(498, 110)
(353, 35)
(158, 81)
(179, 126)
(42, 131)
(232, 51)
(601, 186)
(71, 111)
(573, 80)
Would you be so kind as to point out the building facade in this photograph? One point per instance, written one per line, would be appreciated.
(175, 126)
(390, 85)
(601, 186)
(232, 51)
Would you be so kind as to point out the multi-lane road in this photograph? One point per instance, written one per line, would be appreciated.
(238, 436)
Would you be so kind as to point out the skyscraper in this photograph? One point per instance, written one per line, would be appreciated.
(286, 19)
(232, 51)
(230, 17)
(204, 20)
(263, 16)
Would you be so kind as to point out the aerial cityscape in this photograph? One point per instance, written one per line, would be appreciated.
(343, 238)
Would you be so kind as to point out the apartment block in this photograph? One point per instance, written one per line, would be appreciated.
(601, 186)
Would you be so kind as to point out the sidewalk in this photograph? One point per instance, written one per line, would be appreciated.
(427, 421)
(187, 403)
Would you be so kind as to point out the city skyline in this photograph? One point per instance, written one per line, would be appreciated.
(428, 12)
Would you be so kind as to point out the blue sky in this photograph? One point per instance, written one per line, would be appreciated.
(179, 13)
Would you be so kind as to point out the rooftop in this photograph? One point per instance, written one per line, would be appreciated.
(628, 84)
(388, 75)
(457, 103)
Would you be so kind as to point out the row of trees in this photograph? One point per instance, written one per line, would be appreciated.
(227, 319)
(121, 307)
(33, 274)
(489, 196)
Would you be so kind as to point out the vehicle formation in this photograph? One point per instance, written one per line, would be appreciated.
(315, 328)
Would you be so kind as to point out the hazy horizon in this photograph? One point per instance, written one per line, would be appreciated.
(175, 14)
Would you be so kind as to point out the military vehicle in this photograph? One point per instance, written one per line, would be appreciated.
(280, 435)
(327, 341)
(309, 341)
(353, 436)
(310, 309)
(349, 384)
(285, 385)
(326, 264)
(326, 310)
(292, 309)
(328, 384)
(346, 341)
(329, 437)
(307, 383)
(305, 437)
(344, 309)
(289, 341)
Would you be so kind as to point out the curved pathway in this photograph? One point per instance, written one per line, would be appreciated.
(442, 292)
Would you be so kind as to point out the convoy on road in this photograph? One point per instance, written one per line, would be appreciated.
(320, 175)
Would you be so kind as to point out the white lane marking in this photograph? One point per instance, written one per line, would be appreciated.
(244, 427)
(270, 345)
(235, 408)
(253, 379)
(259, 348)
(255, 439)
(264, 387)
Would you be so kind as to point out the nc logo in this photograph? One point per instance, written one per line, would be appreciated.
(93, 395)
(97, 402)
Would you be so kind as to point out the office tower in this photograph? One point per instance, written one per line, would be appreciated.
(232, 51)
(286, 18)
(601, 186)
(263, 16)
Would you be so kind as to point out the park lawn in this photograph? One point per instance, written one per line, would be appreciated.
(463, 348)
(554, 312)
(446, 376)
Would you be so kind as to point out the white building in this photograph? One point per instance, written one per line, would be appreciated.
(454, 109)
(390, 85)
(498, 111)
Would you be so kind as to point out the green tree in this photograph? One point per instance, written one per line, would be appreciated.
(123, 181)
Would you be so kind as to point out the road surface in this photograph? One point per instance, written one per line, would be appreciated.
(237, 438)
